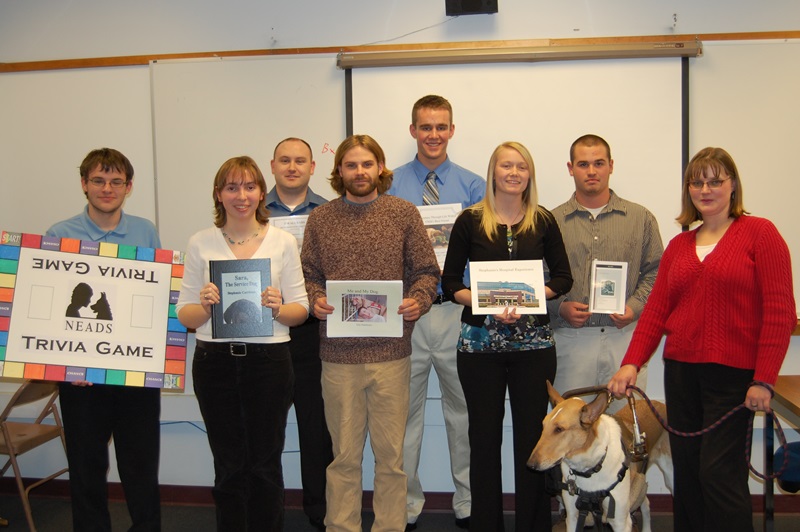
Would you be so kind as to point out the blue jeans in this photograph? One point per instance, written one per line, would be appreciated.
(244, 401)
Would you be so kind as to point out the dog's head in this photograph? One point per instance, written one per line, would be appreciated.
(568, 429)
(101, 306)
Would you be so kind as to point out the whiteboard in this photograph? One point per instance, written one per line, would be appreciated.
(50, 120)
(744, 99)
(634, 104)
(207, 111)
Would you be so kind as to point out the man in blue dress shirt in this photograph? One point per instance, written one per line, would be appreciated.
(432, 178)
(92, 414)
(292, 165)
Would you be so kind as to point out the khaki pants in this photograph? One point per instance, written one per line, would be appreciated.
(590, 356)
(434, 343)
(360, 398)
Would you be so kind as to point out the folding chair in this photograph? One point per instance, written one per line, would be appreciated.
(17, 438)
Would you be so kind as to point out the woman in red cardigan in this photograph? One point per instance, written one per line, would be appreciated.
(724, 299)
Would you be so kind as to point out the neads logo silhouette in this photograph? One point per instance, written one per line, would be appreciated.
(82, 297)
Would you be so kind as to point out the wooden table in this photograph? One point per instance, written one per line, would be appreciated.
(786, 401)
(787, 392)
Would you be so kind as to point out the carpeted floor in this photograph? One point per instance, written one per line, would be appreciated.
(53, 514)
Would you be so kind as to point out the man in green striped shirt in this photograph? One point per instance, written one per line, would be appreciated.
(598, 224)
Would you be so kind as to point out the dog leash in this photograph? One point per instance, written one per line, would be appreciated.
(748, 443)
(638, 450)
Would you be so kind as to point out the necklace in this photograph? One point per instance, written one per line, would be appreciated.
(510, 240)
(241, 242)
(512, 219)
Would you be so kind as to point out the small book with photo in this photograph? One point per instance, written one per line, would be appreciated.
(608, 288)
(295, 225)
(438, 220)
(239, 314)
(365, 308)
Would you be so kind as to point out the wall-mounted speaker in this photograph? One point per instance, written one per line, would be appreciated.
(469, 7)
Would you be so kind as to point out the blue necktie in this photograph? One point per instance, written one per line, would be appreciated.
(430, 192)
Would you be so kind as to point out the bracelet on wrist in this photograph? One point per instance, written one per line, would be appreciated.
(275, 316)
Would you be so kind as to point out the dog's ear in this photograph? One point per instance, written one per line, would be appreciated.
(555, 397)
(593, 410)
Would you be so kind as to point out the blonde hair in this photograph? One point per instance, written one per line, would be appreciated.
(530, 198)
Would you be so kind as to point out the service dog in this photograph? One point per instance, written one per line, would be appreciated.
(101, 308)
(592, 449)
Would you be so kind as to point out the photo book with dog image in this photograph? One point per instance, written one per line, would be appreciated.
(365, 308)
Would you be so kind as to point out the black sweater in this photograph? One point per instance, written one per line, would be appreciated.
(469, 242)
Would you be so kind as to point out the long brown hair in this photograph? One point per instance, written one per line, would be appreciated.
(717, 160)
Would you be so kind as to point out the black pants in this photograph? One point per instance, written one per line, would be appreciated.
(92, 415)
(711, 474)
(316, 451)
(485, 377)
(244, 401)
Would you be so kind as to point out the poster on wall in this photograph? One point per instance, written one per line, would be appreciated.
(73, 310)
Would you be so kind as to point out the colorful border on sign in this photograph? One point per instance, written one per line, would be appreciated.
(174, 373)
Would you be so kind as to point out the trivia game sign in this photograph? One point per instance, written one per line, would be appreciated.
(73, 310)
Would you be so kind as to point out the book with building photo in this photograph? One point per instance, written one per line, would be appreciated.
(498, 285)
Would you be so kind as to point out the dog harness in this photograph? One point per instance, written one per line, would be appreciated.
(592, 501)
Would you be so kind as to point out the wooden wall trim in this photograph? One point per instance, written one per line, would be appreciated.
(142, 60)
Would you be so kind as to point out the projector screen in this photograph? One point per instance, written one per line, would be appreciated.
(635, 104)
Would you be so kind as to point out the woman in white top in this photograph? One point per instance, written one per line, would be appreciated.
(244, 385)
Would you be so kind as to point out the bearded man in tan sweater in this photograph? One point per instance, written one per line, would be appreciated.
(367, 235)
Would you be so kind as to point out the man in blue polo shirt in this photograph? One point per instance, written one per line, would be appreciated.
(432, 178)
(292, 165)
(92, 414)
